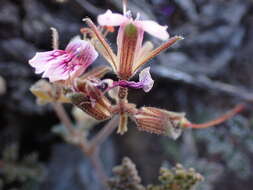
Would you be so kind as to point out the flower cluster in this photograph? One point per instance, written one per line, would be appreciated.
(103, 98)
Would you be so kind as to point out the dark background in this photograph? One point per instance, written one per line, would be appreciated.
(204, 75)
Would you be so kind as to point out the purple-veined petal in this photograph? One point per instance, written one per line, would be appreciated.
(57, 71)
(75, 44)
(83, 55)
(146, 80)
(155, 29)
(83, 52)
(40, 57)
(72, 65)
(41, 60)
(111, 19)
(59, 65)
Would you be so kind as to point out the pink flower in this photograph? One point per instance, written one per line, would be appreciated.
(62, 65)
(129, 41)
(132, 53)
(116, 19)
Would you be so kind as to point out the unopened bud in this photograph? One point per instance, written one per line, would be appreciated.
(91, 99)
(160, 121)
(47, 92)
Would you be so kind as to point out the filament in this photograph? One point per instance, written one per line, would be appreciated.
(124, 7)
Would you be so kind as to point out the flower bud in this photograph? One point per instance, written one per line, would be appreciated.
(98, 109)
(47, 92)
(91, 99)
(160, 121)
(129, 43)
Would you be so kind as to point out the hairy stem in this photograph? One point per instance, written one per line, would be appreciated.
(98, 166)
(103, 133)
(90, 149)
(63, 116)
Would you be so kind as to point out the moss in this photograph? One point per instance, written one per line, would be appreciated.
(178, 178)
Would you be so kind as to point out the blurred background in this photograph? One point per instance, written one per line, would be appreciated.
(204, 75)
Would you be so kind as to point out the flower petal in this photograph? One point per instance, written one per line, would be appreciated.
(111, 19)
(129, 41)
(63, 65)
(76, 44)
(144, 51)
(41, 60)
(146, 80)
(82, 52)
(57, 71)
(155, 29)
(84, 55)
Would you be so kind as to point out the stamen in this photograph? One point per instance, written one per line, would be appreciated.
(138, 16)
(124, 7)
(217, 121)
(108, 29)
(129, 14)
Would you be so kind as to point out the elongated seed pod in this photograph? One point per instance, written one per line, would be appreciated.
(159, 121)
